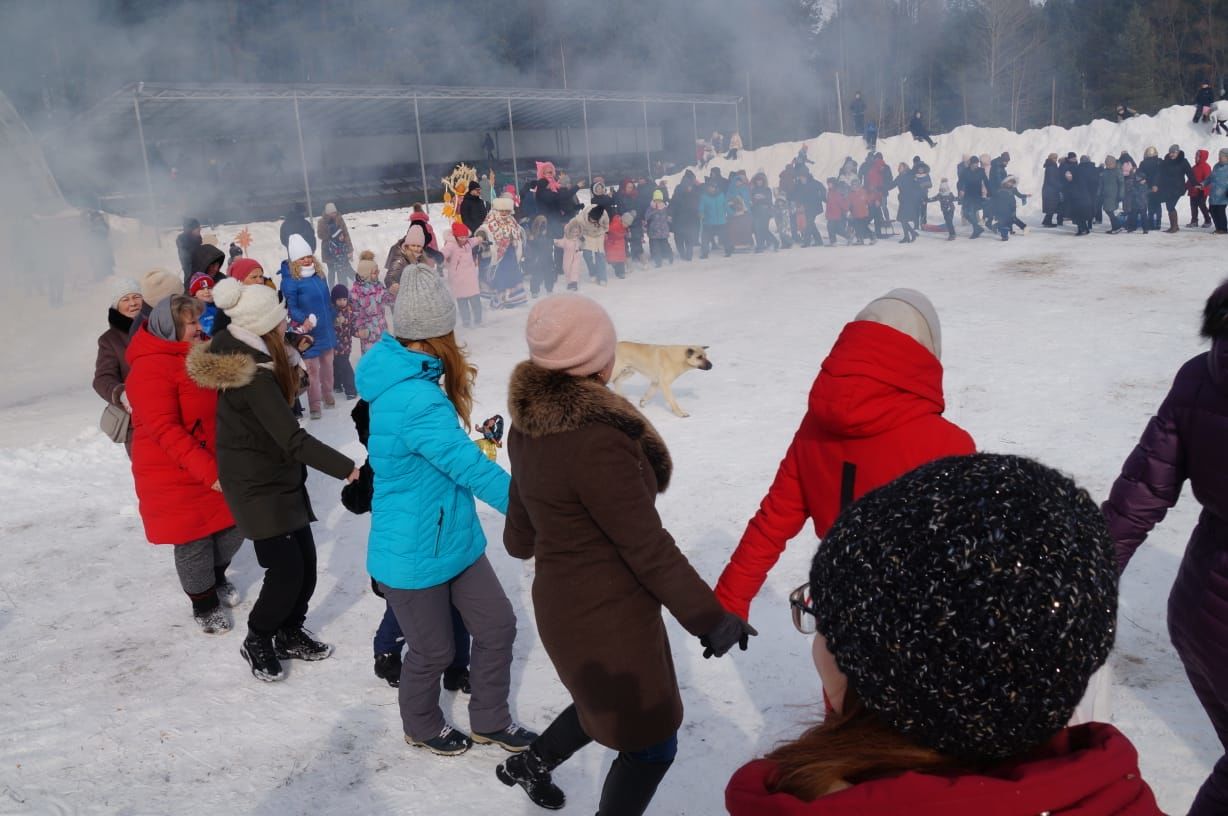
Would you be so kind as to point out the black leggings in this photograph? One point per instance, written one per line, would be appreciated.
(289, 563)
(633, 778)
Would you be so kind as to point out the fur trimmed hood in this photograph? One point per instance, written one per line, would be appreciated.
(543, 402)
(221, 369)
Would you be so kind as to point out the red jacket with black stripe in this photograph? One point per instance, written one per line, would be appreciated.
(875, 413)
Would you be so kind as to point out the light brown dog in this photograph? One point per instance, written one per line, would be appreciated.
(661, 365)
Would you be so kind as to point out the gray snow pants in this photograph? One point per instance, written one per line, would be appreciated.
(200, 562)
(425, 616)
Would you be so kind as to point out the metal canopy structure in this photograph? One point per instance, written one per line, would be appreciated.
(154, 112)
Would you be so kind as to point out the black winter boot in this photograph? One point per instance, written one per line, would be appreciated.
(258, 651)
(630, 786)
(298, 643)
(532, 773)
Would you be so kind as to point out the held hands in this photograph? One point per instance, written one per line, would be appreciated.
(730, 631)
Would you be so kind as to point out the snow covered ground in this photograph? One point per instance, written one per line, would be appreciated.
(1054, 347)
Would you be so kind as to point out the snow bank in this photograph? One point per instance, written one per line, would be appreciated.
(1028, 149)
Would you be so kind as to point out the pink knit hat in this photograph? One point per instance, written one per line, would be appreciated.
(572, 334)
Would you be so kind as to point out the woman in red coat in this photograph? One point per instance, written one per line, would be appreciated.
(952, 674)
(875, 413)
(174, 459)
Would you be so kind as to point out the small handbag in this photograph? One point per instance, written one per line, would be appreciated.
(115, 423)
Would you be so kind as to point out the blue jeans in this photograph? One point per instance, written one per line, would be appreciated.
(596, 264)
(388, 637)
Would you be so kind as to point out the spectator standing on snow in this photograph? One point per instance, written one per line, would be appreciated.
(616, 244)
(261, 454)
(1175, 175)
(657, 223)
(1125, 112)
(174, 460)
(837, 211)
(946, 202)
(809, 195)
(539, 257)
(1003, 205)
(713, 220)
(594, 224)
(462, 274)
(337, 248)
(186, 243)
(916, 126)
(1136, 195)
(426, 549)
(296, 223)
(1187, 439)
(1217, 192)
(1078, 198)
(1197, 191)
(958, 548)
(761, 204)
(909, 202)
(976, 184)
(1204, 100)
(1112, 190)
(874, 413)
(684, 214)
(368, 299)
(309, 302)
(605, 565)
(1150, 168)
(473, 209)
(111, 362)
(857, 106)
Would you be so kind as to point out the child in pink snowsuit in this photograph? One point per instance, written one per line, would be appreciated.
(462, 272)
(573, 259)
(368, 298)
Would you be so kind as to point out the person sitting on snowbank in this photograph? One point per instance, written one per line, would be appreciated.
(950, 677)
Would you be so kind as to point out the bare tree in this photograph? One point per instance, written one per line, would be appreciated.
(1005, 38)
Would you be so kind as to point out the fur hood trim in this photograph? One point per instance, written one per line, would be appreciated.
(543, 402)
(220, 371)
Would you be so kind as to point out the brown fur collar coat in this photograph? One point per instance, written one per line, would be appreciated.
(543, 402)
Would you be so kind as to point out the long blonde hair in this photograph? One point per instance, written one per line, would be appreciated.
(459, 374)
(284, 371)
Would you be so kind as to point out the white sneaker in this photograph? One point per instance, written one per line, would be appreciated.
(213, 622)
(228, 594)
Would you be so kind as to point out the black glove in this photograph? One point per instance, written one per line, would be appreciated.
(731, 631)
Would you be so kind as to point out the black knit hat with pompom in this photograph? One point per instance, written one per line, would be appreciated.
(969, 602)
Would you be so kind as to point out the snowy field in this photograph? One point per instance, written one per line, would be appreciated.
(1054, 348)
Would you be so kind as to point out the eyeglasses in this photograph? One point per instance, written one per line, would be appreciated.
(805, 616)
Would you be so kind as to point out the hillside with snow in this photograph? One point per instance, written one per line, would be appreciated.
(1027, 149)
(114, 702)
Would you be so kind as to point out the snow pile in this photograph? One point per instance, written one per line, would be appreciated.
(1028, 149)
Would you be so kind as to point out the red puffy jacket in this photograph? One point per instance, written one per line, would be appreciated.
(1088, 770)
(174, 444)
(1201, 171)
(616, 241)
(875, 413)
(837, 204)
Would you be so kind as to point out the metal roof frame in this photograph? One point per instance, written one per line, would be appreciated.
(153, 112)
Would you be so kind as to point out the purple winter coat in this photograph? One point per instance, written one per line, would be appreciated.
(1186, 439)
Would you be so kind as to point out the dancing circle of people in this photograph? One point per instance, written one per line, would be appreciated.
(958, 604)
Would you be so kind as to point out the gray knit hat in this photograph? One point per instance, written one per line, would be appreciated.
(424, 306)
(969, 602)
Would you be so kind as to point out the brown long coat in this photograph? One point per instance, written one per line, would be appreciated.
(586, 468)
(111, 364)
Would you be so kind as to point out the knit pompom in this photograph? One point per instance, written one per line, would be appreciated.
(227, 293)
(366, 255)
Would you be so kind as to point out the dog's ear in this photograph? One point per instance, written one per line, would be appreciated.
(690, 352)
(705, 348)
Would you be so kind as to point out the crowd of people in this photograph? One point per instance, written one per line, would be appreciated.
(210, 369)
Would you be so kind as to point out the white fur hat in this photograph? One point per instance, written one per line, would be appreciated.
(504, 204)
(330, 208)
(121, 288)
(255, 308)
(298, 247)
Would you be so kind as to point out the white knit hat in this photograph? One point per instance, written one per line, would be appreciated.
(254, 308)
(424, 306)
(122, 287)
(329, 209)
(908, 311)
(298, 247)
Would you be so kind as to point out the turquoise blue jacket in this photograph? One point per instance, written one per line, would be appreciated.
(1218, 184)
(424, 522)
